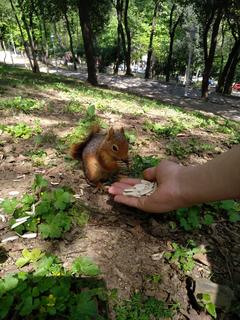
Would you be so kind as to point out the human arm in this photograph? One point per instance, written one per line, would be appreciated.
(183, 186)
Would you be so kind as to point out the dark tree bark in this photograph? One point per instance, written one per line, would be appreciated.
(231, 73)
(87, 34)
(129, 40)
(45, 35)
(229, 68)
(172, 30)
(35, 66)
(70, 38)
(209, 55)
(150, 46)
(120, 34)
(118, 50)
(22, 35)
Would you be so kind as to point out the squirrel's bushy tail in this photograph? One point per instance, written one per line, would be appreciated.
(77, 148)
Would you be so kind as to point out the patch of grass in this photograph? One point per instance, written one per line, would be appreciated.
(182, 149)
(167, 130)
(206, 214)
(51, 291)
(154, 278)
(84, 126)
(22, 130)
(139, 164)
(21, 104)
(183, 256)
(74, 106)
(131, 137)
(38, 157)
(49, 212)
(143, 308)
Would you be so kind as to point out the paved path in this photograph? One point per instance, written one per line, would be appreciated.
(228, 107)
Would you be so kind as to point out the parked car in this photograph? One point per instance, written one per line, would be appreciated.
(236, 86)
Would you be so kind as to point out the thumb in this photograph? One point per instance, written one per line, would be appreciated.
(150, 174)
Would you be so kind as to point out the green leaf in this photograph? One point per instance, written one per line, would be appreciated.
(208, 219)
(228, 204)
(185, 224)
(10, 282)
(27, 306)
(6, 304)
(36, 254)
(22, 262)
(193, 217)
(85, 266)
(91, 111)
(29, 256)
(86, 306)
(9, 206)
(211, 309)
(62, 199)
(234, 217)
(39, 182)
(50, 230)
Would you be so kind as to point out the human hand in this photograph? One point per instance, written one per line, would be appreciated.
(166, 197)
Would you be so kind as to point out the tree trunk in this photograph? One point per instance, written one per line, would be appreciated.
(35, 66)
(233, 55)
(70, 40)
(128, 36)
(150, 46)
(119, 9)
(231, 73)
(45, 37)
(172, 30)
(22, 36)
(209, 57)
(87, 40)
(117, 60)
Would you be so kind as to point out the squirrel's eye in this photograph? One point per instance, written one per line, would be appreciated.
(115, 147)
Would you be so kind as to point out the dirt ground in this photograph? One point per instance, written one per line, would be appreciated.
(128, 245)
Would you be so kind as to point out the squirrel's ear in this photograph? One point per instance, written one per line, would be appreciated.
(110, 133)
(122, 130)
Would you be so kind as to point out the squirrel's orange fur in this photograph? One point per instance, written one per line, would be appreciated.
(101, 153)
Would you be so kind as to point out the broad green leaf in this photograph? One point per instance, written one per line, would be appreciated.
(27, 306)
(6, 304)
(9, 206)
(211, 309)
(193, 217)
(86, 306)
(234, 216)
(91, 111)
(10, 282)
(39, 182)
(208, 219)
(227, 204)
(36, 254)
(22, 262)
(26, 254)
(85, 266)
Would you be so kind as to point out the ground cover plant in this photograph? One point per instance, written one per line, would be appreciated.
(50, 291)
(145, 258)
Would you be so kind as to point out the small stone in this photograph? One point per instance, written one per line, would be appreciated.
(222, 296)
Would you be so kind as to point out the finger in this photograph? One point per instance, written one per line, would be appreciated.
(150, 174)
(144, 203)
(130, 181)
(118, 188)
(129, 201)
